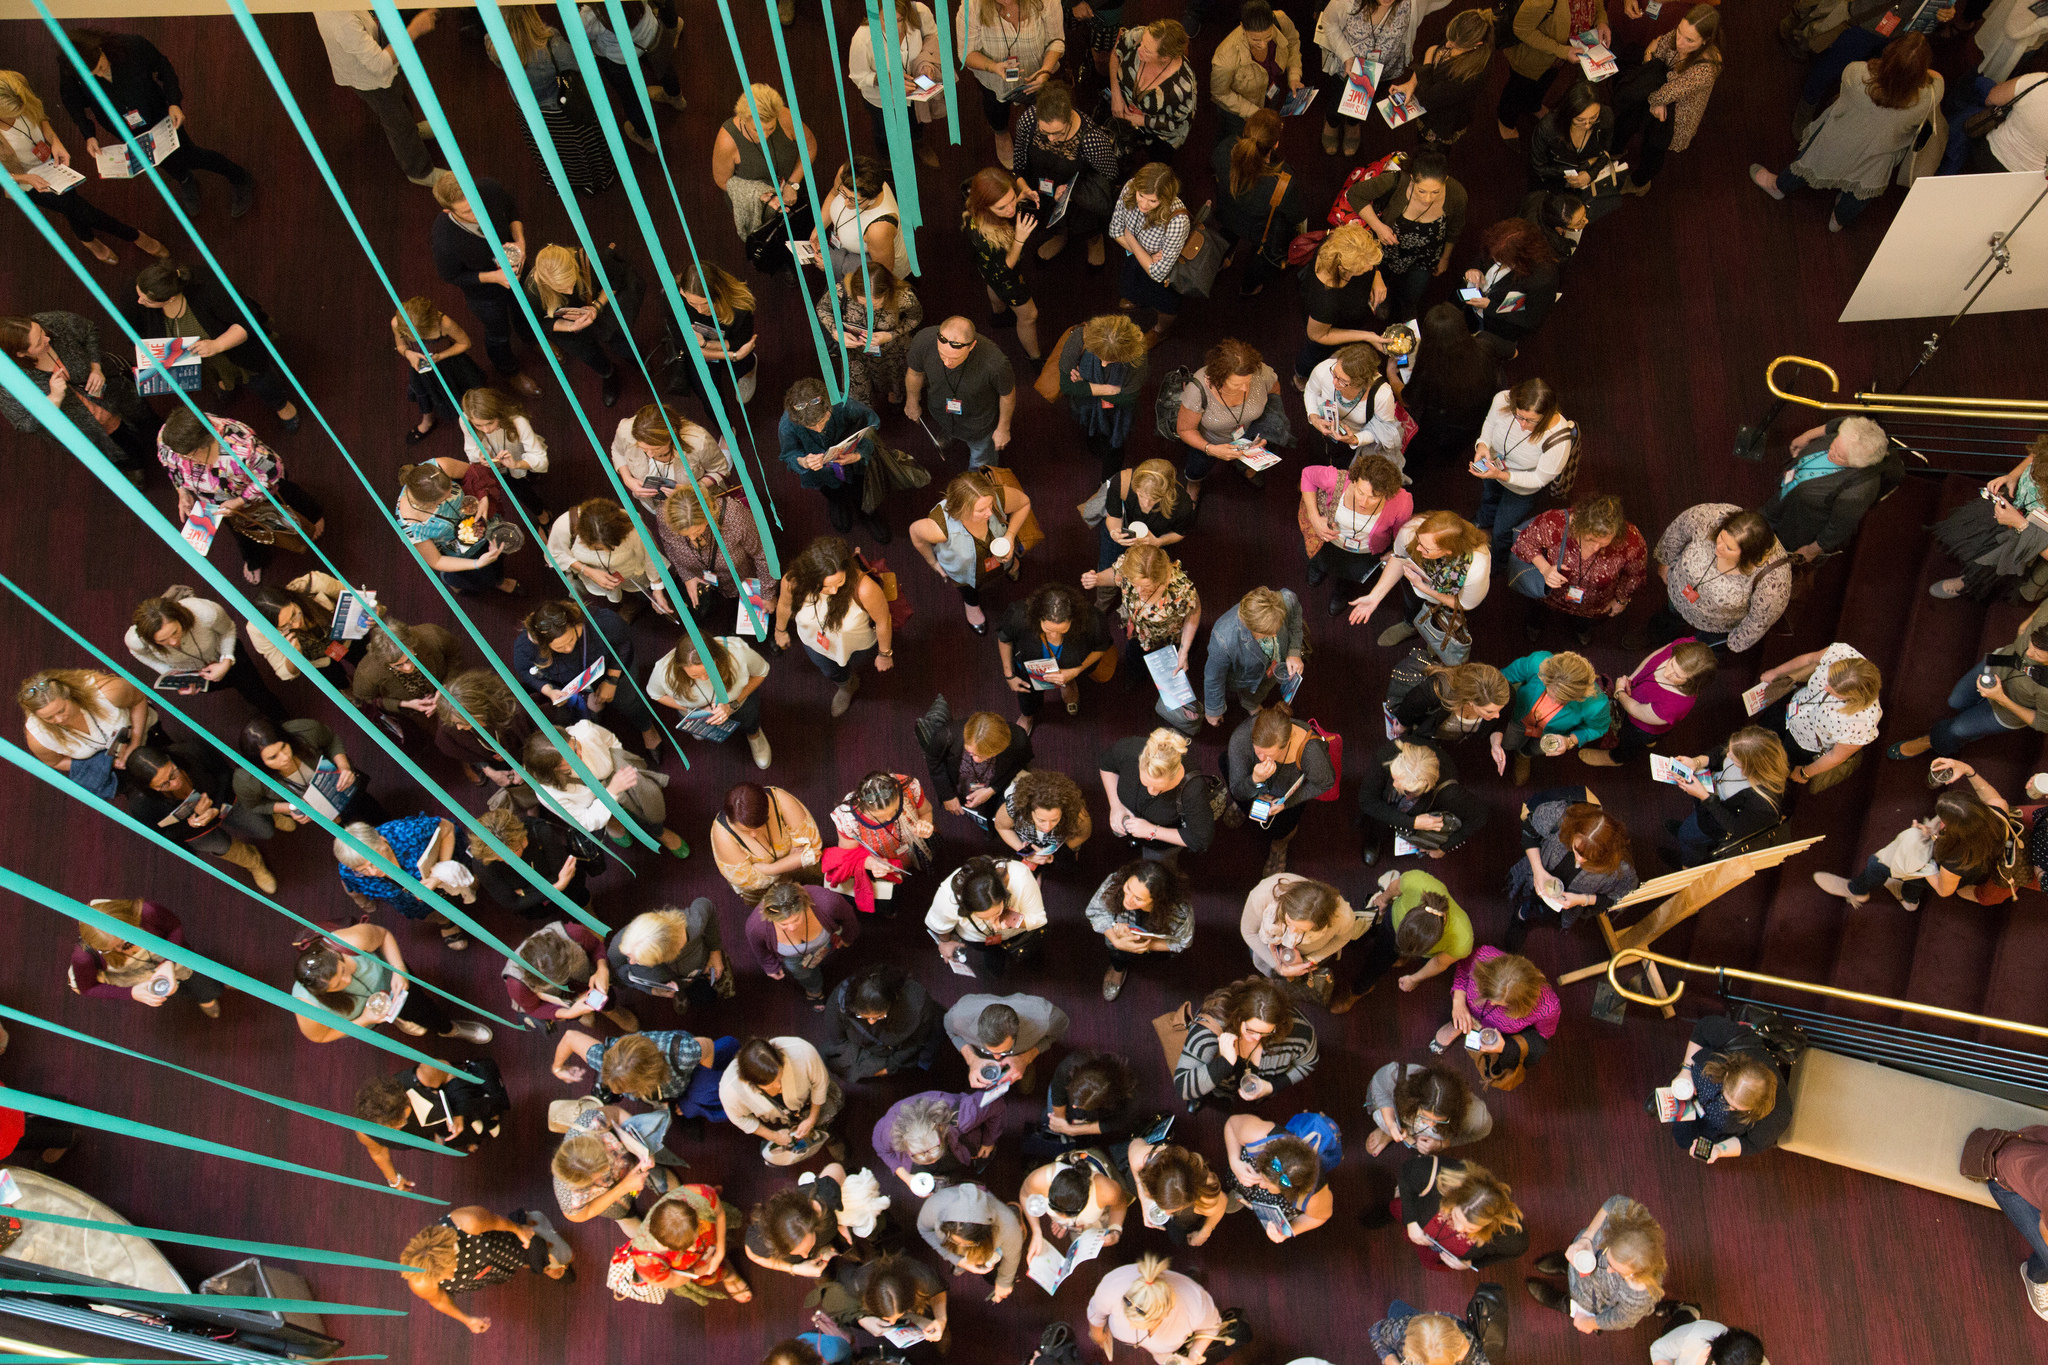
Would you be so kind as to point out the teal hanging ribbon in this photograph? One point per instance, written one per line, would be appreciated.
(148, 1132)
(529, 108)
(368, 1129)
(279, 1250)
(261, 774)
(246, 1303)
(185, 957)
(234, 596)
(948, 65)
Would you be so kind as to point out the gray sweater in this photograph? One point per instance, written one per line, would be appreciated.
(1616, 1305)
(974, 1204)
(1040, 1023)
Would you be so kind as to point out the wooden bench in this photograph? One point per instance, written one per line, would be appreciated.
(1890, 1123)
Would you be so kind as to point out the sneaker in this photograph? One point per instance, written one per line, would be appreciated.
(758, 744)
(1395, 634)
(1837, 886)
(469, 1031)
(2037, 1294)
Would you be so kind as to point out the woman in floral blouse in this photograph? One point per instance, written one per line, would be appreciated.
(1671, 114)
(1154, 91)
(1727, 577)
(879, 344)
(1381, 31)
(681, 1247)
(1159, 604)
(1586, 562)
(222, 463)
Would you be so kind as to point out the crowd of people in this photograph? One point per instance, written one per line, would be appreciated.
(1401, 363)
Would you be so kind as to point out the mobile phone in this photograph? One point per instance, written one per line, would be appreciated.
(1702, 1148)
(1476, 1039)
(925, 84)
(1471, 295)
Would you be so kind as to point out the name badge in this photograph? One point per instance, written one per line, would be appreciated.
(1237, 433)
(134, 119)
(1574, 594)
(953, 406)
(1044, 185)
(1887, 25)
(823, 643)
(1689, 593)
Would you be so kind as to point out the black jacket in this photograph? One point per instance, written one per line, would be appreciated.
(1826, 510)
(943, 763)
(1721, 1038)
(214, 311)
(548, 846)
(152, 808)
(1747, 812)
(912, 1034)
(1538, 289)
(1552, 156)
(141, 79)
(1377, 801)
(1418, 1208)
(459, 254)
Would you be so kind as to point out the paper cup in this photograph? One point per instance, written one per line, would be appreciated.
(1137, 528)
(922, 1183)
(1000, 547)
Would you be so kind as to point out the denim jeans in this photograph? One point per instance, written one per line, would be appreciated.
(1974, 718)
(981, 453)
(839, 673)
(1848, 208)
(1873, 877)
(1502, 511)
(2027, 1219)
(1695, 845)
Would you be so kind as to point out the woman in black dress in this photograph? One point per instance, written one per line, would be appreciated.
(1262, 202)
(720, 310)
(439, 375)
(1448, 79)
(472, 1248)
(1449, 389)
(996, 222)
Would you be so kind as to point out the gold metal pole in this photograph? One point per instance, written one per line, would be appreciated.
(1914, 405)
(1630, 955)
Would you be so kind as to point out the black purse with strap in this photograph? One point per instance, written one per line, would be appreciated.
(1985, 121)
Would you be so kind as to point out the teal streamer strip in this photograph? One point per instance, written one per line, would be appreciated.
(281, 1250)
(164, 703)
(148, 1132)
(615, 11)
(895, 119)
(178, 953)
(234, 596)
(529, 108)
(338, 1119)
(214, 1301)
(948, 65)
(860, 238)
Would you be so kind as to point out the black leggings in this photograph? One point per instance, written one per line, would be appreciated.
(86, 218)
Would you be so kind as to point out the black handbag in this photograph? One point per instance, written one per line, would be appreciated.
(1633, 87)
(1981, 124)
(767, 249)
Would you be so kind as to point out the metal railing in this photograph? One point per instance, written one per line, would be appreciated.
(1982, 1066)
(1992, 433)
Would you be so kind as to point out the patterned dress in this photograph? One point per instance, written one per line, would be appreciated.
(878, 371)
(409, 839)
(1159, 621)
(244, 467)
(1168, 104)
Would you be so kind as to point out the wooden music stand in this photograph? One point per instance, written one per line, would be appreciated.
(1687, 892)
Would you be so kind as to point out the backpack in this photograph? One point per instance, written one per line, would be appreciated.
(1319, 1131)
(1166, 404)
(1561, 486)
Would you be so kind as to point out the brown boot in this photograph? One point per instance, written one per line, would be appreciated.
(1276, 857)
(245, 856)
(1156, 333)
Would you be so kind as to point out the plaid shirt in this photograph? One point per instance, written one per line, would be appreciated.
(243, 465)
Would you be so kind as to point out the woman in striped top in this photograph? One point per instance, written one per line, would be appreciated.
(1152, 224)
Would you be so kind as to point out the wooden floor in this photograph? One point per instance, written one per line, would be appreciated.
(1674, 307)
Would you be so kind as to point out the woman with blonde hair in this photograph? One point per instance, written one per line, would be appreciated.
(1102, 370)
(1163, 1313)
(1448, 702)
(85, 724)
(1158, 605)
(503, 450)
(1152, 225)
(1406, 1337)
(596, 541)
(1152, 87)
(1438, 559)
(674, 954)
(583, 321)
(971, 535)
(996, 224)
(872, 314)
(1341, 292)
(1013, 47)
(719, 309)
(1738, 790)
(1557, 705)
(1503, 996)
(1729, 1092)
(40, 163)
(645, 454)
(1154, 801)
(544, 57)
(763, 180)
(1457, 1214)
(1411, 787)
(1144, 505)
(107, 965)
(711, 580)
(794, 928)
(439, 375)
(1614, 1270)
(1833, 716)
(489, 703)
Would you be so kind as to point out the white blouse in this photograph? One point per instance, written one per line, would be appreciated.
(854, 633)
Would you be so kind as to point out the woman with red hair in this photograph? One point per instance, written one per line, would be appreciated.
(1856, 145)
(1575, 862)
(1509, 292)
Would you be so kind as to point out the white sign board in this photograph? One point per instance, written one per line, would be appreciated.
(1942, 236)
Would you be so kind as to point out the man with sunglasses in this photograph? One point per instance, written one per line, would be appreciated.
(2007, 691)
(959, 388)
(1000, 1036)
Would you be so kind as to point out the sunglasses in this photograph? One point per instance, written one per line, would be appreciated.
(953, 345)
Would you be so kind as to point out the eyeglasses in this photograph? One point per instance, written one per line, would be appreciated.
(953, 345)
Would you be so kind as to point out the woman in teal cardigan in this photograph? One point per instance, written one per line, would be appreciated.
(1556, 705)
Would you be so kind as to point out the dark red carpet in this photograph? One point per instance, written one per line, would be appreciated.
(1674, 307)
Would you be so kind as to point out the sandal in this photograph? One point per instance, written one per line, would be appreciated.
(454, 939)
(736, 1288)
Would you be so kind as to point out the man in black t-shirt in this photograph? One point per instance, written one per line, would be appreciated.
(463, 258)
(961, 388)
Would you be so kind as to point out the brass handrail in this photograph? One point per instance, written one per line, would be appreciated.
(1630, 955)
(1996, 409)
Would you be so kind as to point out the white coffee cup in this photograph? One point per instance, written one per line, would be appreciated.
(1137, 528)
(2037, 786)
(1000, 547)
(922, 1183)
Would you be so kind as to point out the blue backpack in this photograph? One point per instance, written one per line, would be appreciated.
(1319, 1131)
